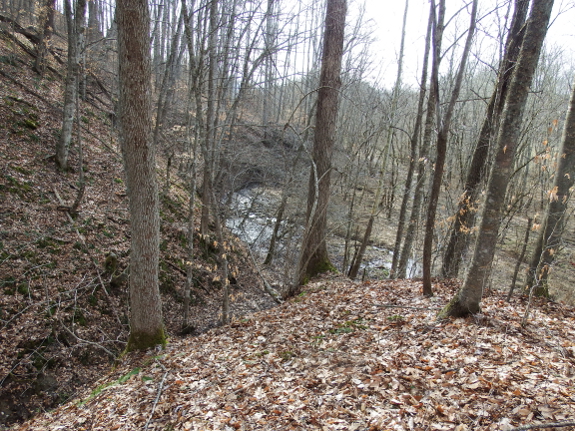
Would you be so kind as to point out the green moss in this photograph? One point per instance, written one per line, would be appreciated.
(10, 60)
(21, 170)
(101, 388)
(28, 123)
(79, 318)
(320, 268)
(23, 288)
(146, 340)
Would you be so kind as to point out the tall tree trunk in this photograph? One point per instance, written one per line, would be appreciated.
(413, 150)
(209, 142)
(465, 215)
(46, 29)
(442, 137)
(358, 257)
(421, 168)
(146, 325)
(314, 258)
(75, 32)
(467, 300)
(549, 240)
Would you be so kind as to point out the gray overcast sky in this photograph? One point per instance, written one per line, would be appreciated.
(388, 16)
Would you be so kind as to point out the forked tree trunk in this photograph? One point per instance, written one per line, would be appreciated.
(314, 258)
(468, 299)
(549, 240)
(146, 326)
(465, 215)
(442, 137)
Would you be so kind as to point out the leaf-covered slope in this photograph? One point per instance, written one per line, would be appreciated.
(62, 317)
(350, 356)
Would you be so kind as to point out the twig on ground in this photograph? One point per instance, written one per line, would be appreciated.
(407, 306)
(547, 425)
(91, 343)
(83, 240)
(159, 394)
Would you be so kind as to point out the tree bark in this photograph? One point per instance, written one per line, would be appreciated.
(549, 240)
(467, 300)
(314, 257)
(146, 326)
(46, 25)
(421, 168)
(466, 209)
(75, 32)
(442, 137)
(414, 143)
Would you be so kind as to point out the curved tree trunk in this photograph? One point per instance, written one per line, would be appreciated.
(146, 326)
(314, 258)
(467, 300)
(549, 240)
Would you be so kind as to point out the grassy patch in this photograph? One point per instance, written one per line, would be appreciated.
(101, 388)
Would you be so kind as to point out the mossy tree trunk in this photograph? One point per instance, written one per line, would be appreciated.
(549, 240)
(314, 257)
(468, 299)
(146, 325)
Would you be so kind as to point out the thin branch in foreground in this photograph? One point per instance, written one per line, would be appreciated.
(546, 425)
(407, 306)
(160, 389)
(82, 341)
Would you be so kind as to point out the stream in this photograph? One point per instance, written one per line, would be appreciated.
(249, 220)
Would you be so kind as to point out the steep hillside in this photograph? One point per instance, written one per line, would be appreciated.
(63, 313)
(346, 356)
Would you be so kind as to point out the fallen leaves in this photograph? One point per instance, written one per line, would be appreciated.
(336, 360)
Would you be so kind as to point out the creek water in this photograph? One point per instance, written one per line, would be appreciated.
(249, 219)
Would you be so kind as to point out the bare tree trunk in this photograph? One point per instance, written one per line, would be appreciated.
(358, 257)
(192, 143)
(520, 258)
(314, 258)
(467, 300)
(46, 29)
(549, 240)
(414, 142)
(465, 215)
(421, 170)
(146, 325)
(209, 142)
(442, 137)
(75, 32)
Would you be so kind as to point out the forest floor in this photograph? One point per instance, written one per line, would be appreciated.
(347, 356)
(342, 355)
